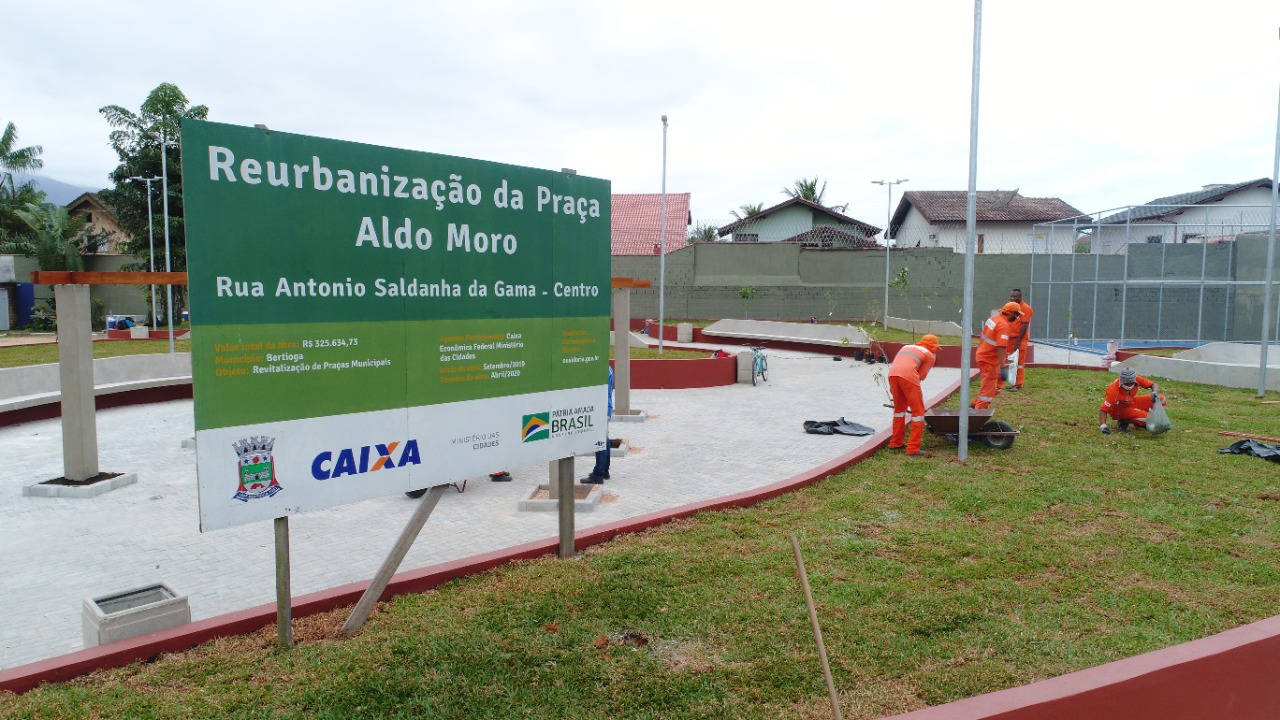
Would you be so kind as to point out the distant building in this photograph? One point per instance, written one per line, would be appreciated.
(637, 223)
(101, 223)
(804, 223)
(1006, 221)
(1214, 213)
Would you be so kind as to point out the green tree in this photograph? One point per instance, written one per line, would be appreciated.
(136, 140)
(745, 211)
(807, 189)
(703, 233)
(16, 159)
(746, 294)
(57, 241)
(13, 196)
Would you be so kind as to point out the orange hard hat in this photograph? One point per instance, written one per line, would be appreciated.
(1012, 307)
(929, 342)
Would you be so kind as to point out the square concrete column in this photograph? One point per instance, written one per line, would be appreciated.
(75, 373)
(622, 351)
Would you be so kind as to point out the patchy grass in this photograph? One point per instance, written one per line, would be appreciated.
(667, 354)
(934, 581)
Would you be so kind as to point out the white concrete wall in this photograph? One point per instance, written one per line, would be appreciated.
(28, 385)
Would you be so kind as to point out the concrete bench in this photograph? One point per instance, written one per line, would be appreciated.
(805, 333)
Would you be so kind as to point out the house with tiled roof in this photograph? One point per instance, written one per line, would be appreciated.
(100, 223)
(637, 223)
(1214, 213)
(1006, 221)
(804, 223)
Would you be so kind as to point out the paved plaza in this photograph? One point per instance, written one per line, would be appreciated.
(697, 444)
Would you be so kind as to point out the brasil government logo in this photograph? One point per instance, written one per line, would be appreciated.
(257, 468)
(535, 427)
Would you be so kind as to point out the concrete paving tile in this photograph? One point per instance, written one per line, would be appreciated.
(698, 444)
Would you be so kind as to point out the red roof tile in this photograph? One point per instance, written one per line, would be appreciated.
(637, 223)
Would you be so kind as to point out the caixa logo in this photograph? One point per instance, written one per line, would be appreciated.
(367, 459)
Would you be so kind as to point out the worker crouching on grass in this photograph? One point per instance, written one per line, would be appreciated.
(910, 367)
(1123, 404)
(992, 354)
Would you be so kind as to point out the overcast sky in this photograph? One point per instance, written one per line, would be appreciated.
(1102, 103)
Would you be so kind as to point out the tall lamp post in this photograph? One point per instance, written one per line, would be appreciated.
(662, 259)
(888, 217)
(168, 261)
(1271, 254)
(151, 241)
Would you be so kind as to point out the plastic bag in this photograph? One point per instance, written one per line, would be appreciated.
(1157, 418)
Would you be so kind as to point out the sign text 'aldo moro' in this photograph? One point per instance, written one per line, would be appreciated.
(368, 320)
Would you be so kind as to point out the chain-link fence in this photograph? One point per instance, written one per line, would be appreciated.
(1151, 274)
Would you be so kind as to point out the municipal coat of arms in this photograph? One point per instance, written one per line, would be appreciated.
(257, 468)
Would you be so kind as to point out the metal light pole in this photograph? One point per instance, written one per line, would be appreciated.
(888, 218)
(168, 262)
(151, 241)
(971, 230)
(662, 259)
(1271, 254)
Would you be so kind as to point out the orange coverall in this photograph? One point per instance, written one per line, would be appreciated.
(910, 366)
(995, 338)
(1122, 404)
(1015, 329)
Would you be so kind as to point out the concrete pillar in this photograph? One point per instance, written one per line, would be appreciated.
(622, 351)
(75, 372)
(563, 482)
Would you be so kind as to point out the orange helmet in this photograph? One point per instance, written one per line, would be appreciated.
(929, 342)
(1011, 307)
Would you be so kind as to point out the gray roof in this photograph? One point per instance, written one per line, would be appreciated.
(1160, 208)
(949, 206)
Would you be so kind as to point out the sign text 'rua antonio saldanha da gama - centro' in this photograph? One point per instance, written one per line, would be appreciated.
(368, 320)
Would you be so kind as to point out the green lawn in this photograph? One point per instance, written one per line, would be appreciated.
(18, 355)
(934, 581)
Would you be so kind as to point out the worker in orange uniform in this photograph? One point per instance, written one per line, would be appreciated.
(992, 353)
(1123, 404)
(910, 366)
(1020, 332)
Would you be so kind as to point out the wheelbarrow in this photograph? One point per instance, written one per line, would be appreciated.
(994, 433)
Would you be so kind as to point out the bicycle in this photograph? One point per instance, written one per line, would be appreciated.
(759, 364)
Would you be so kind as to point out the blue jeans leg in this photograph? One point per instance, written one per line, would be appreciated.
(602, 462)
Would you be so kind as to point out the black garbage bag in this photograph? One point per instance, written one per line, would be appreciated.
(1256, 449)
(836, 427)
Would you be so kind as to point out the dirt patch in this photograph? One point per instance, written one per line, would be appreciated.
(82, 483)
(580, 492)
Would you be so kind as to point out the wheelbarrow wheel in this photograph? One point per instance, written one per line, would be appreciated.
(999, 442)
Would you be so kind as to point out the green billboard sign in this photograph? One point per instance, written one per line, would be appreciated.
(367, 320)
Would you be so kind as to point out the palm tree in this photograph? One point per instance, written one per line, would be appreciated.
(745, 211)
(14, 160)
(807, 189)
(703, 232)
(57, 242)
